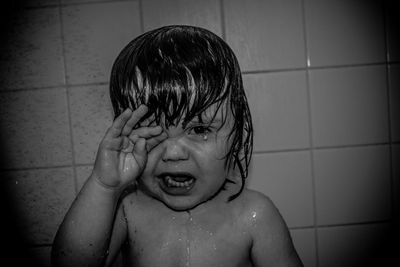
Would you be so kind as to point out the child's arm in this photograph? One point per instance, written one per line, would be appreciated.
(84, 236)
(272, 244)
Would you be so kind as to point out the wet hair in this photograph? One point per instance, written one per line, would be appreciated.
(179, 72)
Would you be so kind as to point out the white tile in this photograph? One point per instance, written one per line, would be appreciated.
(205, 14)
(82, 174)
(41, 198)
(35, 128)
(349, 105)
(349, 246)
(94, 34)
(31, 53)
(91, 116)
(278, 105)
(344, 32)
(352, 184)
(286, 179)
(394, 95)
(265, 34)
(304, 242)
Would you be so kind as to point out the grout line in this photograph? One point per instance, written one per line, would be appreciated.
(75, 178)
(388, 98)
(223, 24)
(60, 4)
(45, 6)
(26, 89)
(249, 72)
(264, 71)
(301, 227)
(280, 151)
(255, 153)
(141, 17)
(53, 87)
(319, 148)
(48, 167)
(351, 146)
(310, 129)
(36, 168)
(95, 2)
(355, 223)
(21, 89)
(44, 245)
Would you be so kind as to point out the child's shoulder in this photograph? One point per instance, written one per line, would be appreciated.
(255, 205)
(251, 199)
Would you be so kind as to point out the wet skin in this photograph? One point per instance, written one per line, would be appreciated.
(188, 167)
(215, 233)
(179, 211)
(179, 216)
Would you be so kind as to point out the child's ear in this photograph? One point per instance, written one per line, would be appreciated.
(234, 176)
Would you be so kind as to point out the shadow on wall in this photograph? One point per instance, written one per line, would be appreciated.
(13, 248)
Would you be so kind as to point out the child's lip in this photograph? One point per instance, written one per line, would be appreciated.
(179, 176)
(176, 183)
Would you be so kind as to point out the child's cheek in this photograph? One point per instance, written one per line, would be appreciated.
(212, 147)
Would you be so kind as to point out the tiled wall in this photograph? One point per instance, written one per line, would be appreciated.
(322, 79)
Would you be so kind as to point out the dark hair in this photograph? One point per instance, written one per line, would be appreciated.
(181, 71)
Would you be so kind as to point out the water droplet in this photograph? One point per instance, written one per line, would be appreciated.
(254, 214)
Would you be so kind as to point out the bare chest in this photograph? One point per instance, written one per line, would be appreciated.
(190, 242)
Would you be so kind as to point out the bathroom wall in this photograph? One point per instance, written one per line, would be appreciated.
(322, 79)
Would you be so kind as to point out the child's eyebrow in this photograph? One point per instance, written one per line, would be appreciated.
(214, 121)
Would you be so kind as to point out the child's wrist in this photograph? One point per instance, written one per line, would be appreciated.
(113, 189)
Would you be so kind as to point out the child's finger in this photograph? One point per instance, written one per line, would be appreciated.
(150, 121)
(153, 142)
(146, 132)
(119, 123)
(133, 120)
(112, 143)
(126, 145)
(140, 152)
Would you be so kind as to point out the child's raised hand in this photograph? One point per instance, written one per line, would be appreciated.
(122, 153)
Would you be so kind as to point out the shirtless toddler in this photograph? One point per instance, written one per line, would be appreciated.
(167, 188)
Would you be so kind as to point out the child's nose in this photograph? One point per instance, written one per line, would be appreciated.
(174, 150)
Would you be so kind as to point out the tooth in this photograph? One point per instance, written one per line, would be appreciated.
(172, 183)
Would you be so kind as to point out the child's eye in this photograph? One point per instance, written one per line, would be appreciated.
(200, 130)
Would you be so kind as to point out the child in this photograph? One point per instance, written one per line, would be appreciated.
(167, 187)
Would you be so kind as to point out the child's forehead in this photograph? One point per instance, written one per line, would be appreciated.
(214, 114)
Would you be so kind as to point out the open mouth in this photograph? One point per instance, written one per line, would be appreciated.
(177, 182)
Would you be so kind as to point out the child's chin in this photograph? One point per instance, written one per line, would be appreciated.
(180, 203)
